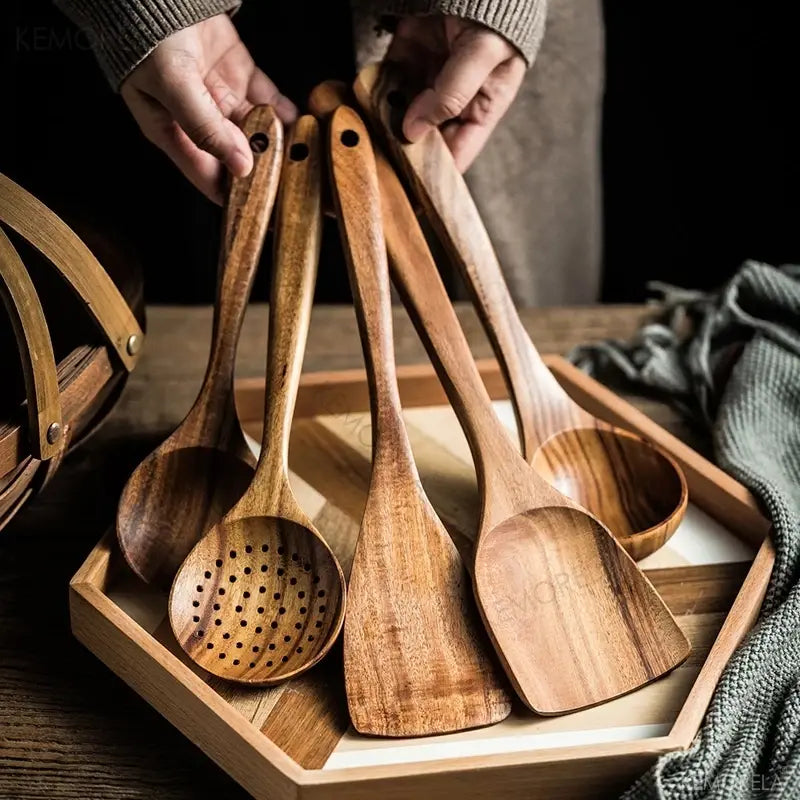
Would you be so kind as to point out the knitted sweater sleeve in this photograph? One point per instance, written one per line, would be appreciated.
(124, 32)
(521, 22)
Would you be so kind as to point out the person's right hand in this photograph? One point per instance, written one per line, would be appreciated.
(190, 92)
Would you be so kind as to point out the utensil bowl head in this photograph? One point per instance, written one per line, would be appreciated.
(170, 501)
(258, 600)
(633, 487)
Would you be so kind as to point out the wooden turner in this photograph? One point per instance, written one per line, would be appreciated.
(587, 459)
(416, 660)
(573, 619)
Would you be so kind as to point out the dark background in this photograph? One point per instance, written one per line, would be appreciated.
(699, 145)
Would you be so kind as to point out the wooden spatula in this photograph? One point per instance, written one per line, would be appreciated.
(416, 659)
(573, 619)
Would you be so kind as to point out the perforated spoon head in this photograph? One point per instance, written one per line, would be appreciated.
(573, 619)
(635, 488)
(258, 600)
(170, 500)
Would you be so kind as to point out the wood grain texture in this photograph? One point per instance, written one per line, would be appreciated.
(725, 499)
(70, 728)
(22, 212)
(583, 457)
(193, 478)
(24, 309)
(89, 384)
(553, 771)
(571, 617)
(261, 597)
(416, 659)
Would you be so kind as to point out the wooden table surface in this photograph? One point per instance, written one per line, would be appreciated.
(69, 728)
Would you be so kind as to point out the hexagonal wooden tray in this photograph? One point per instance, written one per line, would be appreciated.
(293, 741)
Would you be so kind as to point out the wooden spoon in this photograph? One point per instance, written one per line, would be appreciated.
(573, 619)
(190, 481)
(587, 459)
(416, 659)
(261, 597)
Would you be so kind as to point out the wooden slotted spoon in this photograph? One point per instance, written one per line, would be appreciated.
(573, 619)
(416, 659)
(261, 597)
(191, 480)
(594, 463)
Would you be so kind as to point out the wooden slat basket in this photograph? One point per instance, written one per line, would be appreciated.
(294, 741)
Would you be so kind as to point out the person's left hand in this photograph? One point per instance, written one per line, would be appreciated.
(472, 73)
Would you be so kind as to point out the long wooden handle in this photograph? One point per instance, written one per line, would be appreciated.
(18, 294)
(55, 240)
(417, 278)
(425, 297)
(298, 234)
(541, 405)
(355, 192)
(246, 215)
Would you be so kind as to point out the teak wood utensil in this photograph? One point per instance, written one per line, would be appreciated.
(191, 480)
(261, 598)
(573, 619)
(416, 659)
(594, 463)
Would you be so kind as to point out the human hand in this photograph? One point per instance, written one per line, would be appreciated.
(472, 73)
(190, 92)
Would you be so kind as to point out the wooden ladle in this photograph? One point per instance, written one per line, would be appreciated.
(191, 480)
(417, 661)
(634, 487)
(261, 597)
(573, 619)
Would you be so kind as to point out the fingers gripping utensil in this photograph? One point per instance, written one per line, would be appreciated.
(417, 661)
(637, 489)
(191, 480)
(573, 619)
(261, 597)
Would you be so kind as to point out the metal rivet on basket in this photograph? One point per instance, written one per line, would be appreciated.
(134, 344)
(53, 432)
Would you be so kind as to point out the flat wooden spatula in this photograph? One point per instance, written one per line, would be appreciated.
(417, 661)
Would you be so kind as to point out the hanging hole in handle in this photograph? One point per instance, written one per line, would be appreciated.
(259, 142)
(298, 151)
(396, 99)
(349, 138)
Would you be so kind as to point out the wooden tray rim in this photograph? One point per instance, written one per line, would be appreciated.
(275, 772)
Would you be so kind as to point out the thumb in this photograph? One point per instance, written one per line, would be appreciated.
(459, 80)
(195, 110)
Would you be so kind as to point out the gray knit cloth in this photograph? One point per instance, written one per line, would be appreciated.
(739, 371)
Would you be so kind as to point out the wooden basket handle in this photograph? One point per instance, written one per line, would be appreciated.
(52, 237)
(19, 296)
